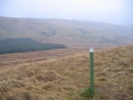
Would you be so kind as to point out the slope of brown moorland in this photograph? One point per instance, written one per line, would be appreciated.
(64, 77)
(71, 33)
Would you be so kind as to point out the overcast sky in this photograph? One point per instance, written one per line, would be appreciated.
(109, 11)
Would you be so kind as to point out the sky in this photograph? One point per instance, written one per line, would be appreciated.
(108, 11)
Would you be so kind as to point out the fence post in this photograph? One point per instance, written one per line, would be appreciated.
(92, 71)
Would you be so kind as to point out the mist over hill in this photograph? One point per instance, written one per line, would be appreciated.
(73, 34)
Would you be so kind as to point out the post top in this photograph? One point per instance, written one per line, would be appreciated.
(91, 50)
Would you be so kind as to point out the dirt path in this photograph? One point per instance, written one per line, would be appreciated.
(32, 57)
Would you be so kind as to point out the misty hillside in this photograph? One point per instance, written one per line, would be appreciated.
(67, 32)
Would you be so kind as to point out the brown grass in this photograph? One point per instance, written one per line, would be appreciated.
(64, 77)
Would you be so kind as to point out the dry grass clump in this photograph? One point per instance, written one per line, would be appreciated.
(63, 78)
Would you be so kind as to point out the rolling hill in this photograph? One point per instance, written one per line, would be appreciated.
(71, 33)
(63, 74)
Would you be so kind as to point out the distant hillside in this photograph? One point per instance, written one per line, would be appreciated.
(25, 44)
(74, 34)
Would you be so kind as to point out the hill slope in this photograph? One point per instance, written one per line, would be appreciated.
(67, 32)
(63, 77)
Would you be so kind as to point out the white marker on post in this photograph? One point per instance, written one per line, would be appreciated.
(91, 50)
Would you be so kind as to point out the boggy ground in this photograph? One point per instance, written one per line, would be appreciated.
(62, 75)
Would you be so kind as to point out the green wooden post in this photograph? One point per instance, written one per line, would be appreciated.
(89, 92)
(92, 71)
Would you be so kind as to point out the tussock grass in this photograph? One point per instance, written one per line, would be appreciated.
(63, 78)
